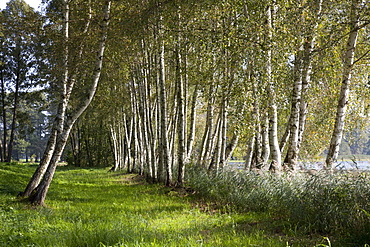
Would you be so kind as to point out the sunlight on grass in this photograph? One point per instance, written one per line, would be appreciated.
(94, 207)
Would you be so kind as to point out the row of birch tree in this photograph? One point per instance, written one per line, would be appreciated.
(193, 81)
(189, 82)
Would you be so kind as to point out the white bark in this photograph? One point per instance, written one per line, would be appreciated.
(193, 114)
(181, 131)
(65, 124)
(291, 157)
(249, 154)
(273, 123)
(163, 110)
(208, 133)
(348, 60)
(306, 72)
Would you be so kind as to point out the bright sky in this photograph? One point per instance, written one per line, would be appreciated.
(33, 3)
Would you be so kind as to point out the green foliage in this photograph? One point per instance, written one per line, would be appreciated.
(329, 204)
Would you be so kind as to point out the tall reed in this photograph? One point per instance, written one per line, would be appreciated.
(335, 204)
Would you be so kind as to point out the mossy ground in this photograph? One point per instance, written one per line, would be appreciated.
(94, 207)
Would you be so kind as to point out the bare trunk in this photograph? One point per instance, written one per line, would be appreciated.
(15, 111)
(209, 128)
(181, 152)
(291, 157)
(216, 140)
(336, 138)
(116, 155)
(302, 81)
(265, 141)
(59, 119)
(249, 154)
(223, 133)
(64, 125)
(39, 195)
(192, 125)
(284, 139)
(163, 127)
(272, 109)
(231, 146)
(3, 107)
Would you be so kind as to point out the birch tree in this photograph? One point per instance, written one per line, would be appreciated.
(273, 120)
(40, 182)
(302, 72)
(348, 63)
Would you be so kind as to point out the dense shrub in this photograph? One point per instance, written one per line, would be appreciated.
(329, 203)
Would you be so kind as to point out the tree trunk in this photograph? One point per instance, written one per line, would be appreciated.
(208, 134)
(336, 138)
(114, 137)
(181, 128)
(249, 154)
(302, 80)
(291, 156)
(15, 107)
(231, 146)
(223, 132)
(5, 128)
(65, 125)
(163, 126)
(216, 142)
(59, 119)
(265, 155)
(272, 109)
(192, 124)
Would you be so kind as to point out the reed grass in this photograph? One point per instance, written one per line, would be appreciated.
(335, 205)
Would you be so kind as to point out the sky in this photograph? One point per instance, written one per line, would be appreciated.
(32, 3)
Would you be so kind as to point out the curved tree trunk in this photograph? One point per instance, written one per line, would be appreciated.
(336, 138)
(65, 125)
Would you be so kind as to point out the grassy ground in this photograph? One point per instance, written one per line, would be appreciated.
(94, 207)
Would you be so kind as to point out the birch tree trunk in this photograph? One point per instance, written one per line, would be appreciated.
(65, 124)
(249, 154)
(114, 137)
(273, 120)
(58, 121)
(163, 121)
(231, 146)
(216, 142)
(181, 128)
(348, 59)
(192, 124)
(208, 132)
(265, 155)
(67, 86)
(223, 132)
(291, 157)
(302, 81)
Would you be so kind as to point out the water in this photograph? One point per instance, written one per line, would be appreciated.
(340, 165)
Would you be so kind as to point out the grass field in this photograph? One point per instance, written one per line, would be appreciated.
(94, 207)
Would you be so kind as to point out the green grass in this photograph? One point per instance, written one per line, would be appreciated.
(94, 207)
(335, 205)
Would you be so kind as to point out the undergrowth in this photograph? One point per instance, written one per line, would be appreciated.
(329, 204)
